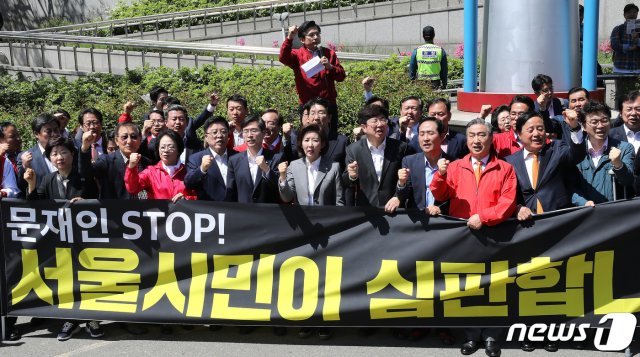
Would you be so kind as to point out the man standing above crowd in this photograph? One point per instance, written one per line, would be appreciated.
(318, 80)
(429, 61)
(626, 44)
(481, 189)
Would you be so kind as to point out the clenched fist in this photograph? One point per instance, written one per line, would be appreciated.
(88, 138)
(282, 169)
(206, 163)
(443, 164)
(352, 169)
(134, 159)
(403, 176)
(293, 30)
(616, 157)
(571, 118)
(262, 163)
(26, 159)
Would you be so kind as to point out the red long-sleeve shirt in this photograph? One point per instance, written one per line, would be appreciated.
(323, 83)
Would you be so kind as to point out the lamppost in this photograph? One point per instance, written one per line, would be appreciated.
(282, 17)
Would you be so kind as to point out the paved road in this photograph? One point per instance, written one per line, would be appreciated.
(40, 341)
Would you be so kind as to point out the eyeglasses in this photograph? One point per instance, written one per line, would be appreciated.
(129, 136)
(214, 132)
(594, 122)
(168, 148)
(374, 121)
(313, 34)
(251, 131)
(90, 124)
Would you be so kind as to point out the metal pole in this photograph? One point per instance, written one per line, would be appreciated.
(205, 22)
(59, 56)
(109, 58)
(11, 53)
(157, 29)
(75, 57)
(470, 45)
(173, 27)
(126, 29)
(189, 23)
(42, 54)
(26, 53)
(93, 67)
(590, 44)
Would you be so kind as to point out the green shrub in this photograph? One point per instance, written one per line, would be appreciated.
(21, 99)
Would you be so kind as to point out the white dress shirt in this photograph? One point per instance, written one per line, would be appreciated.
(377, 155)
(46, 160)
(632, 138)
(253, 167)
(312, 175)
(223, 163)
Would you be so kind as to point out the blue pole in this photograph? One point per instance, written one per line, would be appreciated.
(590, 44)
(471, 45)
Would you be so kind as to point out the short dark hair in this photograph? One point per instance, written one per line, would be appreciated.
(371, 111)
(317, 101)
(174, 108)
(522, 120)
(254, 118)
(521, 98)
(439, 124)
(41, 120)
(629, 97)
(125, 125)
(156, 111)
(578, 89)
(111, 135)
(302, 30)
(385, 103)
(59, 141)
(4, 125)
(592, 107)
(628, 8)
(213, 120)
(412, 97)
(63, 112)
(174, 136)
(495, 113)
(155, 92)
(239, 99)
(93, 111)
(170, 100)
(312, 128)
(276, 112)
(538, 81)
(445, 101)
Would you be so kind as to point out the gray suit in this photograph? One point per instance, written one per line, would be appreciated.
(328, 187)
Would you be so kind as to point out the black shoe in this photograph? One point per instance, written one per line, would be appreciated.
(245, 330)
(14, 335)
(492, 349)
(325, 333)
(134, 329)
(550, 346)
(527, 346)
(279, 331)
(469, 347)
(305, 332)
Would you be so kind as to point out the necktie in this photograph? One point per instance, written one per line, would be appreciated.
(534, 177)
(14, 162)
(94, 152)
(478, 171)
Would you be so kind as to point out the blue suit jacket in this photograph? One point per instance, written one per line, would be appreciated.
(210, 186)
(556, 162)
(241, 185)
(456, 147)
(415, 189)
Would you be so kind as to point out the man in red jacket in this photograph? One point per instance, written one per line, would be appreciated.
(311, 83)
(482, 189)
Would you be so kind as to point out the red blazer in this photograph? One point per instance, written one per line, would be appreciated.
(157, 182)
(505, 144)
(494, 200)
(322, 84)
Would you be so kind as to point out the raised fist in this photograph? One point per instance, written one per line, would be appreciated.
(403, 176)
(352, 169)
(134, 159)
(443, 164)
(206, 163)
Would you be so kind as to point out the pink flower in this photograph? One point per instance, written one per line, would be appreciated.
(275, 44)
(605, 47)
(340, 47)
(332, 46)
(459, 51)
(240, 41)
(405, 53)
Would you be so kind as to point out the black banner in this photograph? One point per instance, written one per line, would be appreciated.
(226, 263)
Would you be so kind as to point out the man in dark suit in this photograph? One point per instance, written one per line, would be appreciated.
(418, 169)
(45, 127)
(317, 112)
(109, 169)
(178, 121)
(454, 143)
(90, 119)
(630, 113)
(252, 175)
(373, 162)
(207, 171)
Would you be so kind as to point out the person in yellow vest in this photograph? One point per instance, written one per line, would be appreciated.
(429, 61)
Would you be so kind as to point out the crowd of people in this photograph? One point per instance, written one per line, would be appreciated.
(518, 160)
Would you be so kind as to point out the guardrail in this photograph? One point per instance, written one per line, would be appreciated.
(224, 14)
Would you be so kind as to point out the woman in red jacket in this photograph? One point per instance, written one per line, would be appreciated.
(165, 180)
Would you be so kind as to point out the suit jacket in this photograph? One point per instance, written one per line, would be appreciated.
(78, 186)
(109, 171)
(618, 133)
(38, 164)
(456, 145)
(367, 189)
(556, 160)
(328, 186)
(210, 185)
(415, 189)
(241, 185)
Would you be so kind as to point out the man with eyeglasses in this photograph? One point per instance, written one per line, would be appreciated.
(606, 156)
(322, 83)
(91, 121)
(207, 170)
(45, 126)
(546, 104)
(453, 143)
(630, 113)
(373, 162)
(505, 144)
